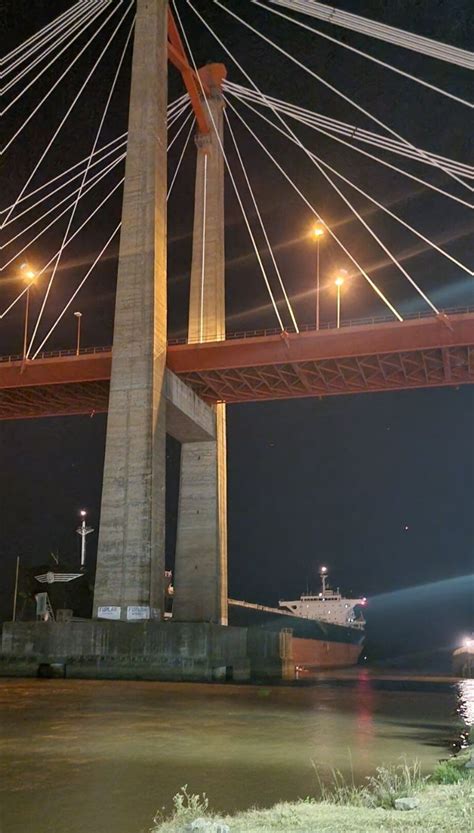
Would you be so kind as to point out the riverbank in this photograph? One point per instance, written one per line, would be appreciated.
(440, 808)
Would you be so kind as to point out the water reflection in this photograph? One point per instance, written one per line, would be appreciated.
(465, 710)
(105, 755)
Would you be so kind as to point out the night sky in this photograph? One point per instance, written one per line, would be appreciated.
(377, 486)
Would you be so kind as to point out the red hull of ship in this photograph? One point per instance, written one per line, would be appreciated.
(314, 653)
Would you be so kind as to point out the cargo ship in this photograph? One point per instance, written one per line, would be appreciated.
(328, 628)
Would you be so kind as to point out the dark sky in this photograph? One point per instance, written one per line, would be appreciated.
(339, 479)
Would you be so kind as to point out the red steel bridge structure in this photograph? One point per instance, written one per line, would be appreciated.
(361, 357)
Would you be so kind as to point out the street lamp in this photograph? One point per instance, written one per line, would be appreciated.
(78, 340)
(318, 233)
(83, 530)
(29, 276)
(339, 282)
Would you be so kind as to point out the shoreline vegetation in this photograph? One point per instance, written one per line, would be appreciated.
(442, 802)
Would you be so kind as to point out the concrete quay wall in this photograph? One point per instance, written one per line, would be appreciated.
(144, 650)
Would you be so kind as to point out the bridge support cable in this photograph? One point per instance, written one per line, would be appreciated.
(73, 103)
(86, 171)
(352, 184)
(96, 178)
(330, 231)
(28, 48)
(330, 135)
(381, 31)
(183, 151)
(122, 139)
(70, 239)
(79, 28)
(45, 197)
(176, 104)
(320, 219)
(374, 158)
(363, 54)
(229, 170)
(62, 76)
(262, 225)
(317, 162)
(92, 183)
(177, 114)
(78, 19)
(77, 290)
(181, 128)
(289, 133)
(330, 86)
(317, 120)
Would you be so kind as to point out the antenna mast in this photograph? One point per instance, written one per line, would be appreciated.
(323, 572)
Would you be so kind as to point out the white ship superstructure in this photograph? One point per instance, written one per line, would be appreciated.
(327, 606)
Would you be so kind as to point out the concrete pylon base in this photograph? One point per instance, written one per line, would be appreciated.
(150, 650)
(200, 576)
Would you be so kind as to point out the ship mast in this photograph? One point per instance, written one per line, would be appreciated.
(323, 572)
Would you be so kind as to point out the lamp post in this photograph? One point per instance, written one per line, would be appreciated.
(83, 530)
(78, 315)
(29, 276)
(339, 282)
(318, 233)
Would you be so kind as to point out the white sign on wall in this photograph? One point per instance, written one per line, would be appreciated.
(41, 605)
(137, 612)
(109, 612)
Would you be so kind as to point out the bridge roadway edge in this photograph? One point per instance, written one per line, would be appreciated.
(425, 352)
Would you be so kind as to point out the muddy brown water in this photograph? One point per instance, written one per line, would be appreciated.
(102, 757)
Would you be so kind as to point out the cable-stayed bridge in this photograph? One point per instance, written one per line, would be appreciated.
(327, 355)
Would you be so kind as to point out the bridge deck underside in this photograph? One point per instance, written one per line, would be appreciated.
(415, 354)
(69, 399)
(358, 374)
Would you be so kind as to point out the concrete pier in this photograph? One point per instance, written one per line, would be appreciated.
(130, 563)
(200, 578)
(144, 650)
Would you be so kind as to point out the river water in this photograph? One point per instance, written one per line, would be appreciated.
(102, 757)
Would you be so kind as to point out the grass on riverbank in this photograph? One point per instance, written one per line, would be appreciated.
(444, 807)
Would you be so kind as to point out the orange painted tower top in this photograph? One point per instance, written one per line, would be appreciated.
(211, 76)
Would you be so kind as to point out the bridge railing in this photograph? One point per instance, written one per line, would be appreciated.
(241, 334)
(59, 354)
(328, 325)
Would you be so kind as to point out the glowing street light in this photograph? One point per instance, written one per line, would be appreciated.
(78, 315)
(340, 278)
(83, 530)
(29, 276)
(318, 233)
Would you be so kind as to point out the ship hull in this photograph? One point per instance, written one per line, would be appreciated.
(314, 653)
(315, 644)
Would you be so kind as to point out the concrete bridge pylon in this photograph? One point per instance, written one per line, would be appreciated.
(200, 578)
(130, 562)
